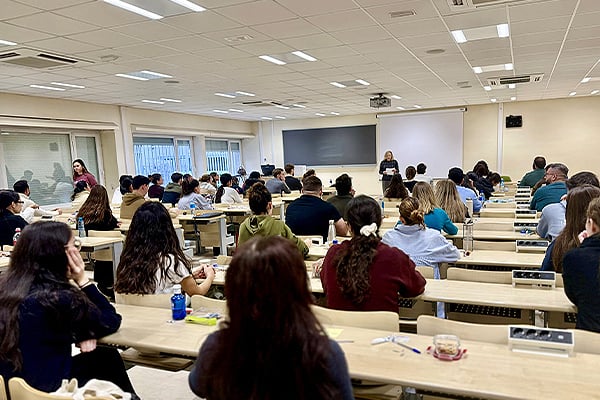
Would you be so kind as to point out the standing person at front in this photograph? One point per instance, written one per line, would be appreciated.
(81, 173)
(272, 346)
(42, 314)
(310, 215)
(388, 167)
(364, 274)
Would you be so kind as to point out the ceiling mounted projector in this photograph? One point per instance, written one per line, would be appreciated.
(380, 101)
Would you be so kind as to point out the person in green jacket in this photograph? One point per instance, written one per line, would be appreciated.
(535, 175)
(262, 223)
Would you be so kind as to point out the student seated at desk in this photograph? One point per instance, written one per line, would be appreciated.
(42, 314)
(80, 194)
(152, 260)
(272, 346)
(125, 182)
(252, 179)
(261, 223)
(448, 198)
(396, 189)
(10, 207)
(364, 274)
(133, 200)
(435, 217)
(190, 194)
(225, 193)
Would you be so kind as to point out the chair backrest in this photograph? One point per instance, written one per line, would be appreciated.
(111, 234)
(145, 300)
(210, 305)
(494, 245)
(429, 325)
(426, 271)
(20, 390)
(482, 225)
(461, 274)
(2, 389)
(382, 320)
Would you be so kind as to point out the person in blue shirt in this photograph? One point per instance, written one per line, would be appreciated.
(435, 217)
(555, 189)
(457, 176)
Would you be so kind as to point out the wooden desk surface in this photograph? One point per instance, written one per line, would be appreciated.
(496, 294)
(502, 258)
(98, 241)
(315, 283)
(489, 370)
(504, 213)
(188, 217)
(496, 235)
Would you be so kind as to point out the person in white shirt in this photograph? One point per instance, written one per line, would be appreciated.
(225, 193)
(421, 174)
(30, 208)
(206, 187)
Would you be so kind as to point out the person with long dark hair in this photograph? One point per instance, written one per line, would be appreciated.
(396, 189)
(190, 194)
(156, 190)
(253, 178)
(81, 173)
(225, 193)
(363, 273)
(152, 260)
(80, 194)
(272, 346)
(262, 223)
(42, 314)
(10, 207)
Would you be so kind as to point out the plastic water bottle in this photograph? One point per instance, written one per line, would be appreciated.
(481, 197)
(470, 208)
(193, 208)
(382, 202)
(177, 303)
(468, 236)
(331, 234)
(80, 227)
(16, 236)
(502, 184)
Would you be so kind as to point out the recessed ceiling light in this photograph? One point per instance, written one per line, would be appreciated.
(508, 66)
(189, 5)
(477, 70)
(595, 91)
(400, 108)
(221, 111)
(7, 43)
(572, 93)
(487, 88)
(153, 102)
(503, 30)
(493, 100)
(417, 106)
(303, 55)
(282, 107)
(512, 85)
(586, 79)
(267, 118)
(245, 93)
(299, 105)
(134, 9)
(334, 113)
(69, 85)
(362, 82)
(170, 100)
(137, 78)
(513, 98)
(272, 59)
(336, 84)
(47, 88)
(459, 36)
(156, 74)
(320, 114)
(395, 96)
(495, 67)
(235, 110)
(279, 117)
(229, 96)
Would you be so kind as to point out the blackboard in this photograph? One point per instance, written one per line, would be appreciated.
(346, 145)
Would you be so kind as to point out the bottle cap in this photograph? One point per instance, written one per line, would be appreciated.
(176, 289)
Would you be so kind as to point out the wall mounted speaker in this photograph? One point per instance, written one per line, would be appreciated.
(514, 121)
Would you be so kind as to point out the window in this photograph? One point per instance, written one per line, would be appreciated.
(44, 160)
(223, 156)
(162, 155)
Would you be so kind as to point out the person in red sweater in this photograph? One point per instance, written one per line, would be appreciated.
(364, 274)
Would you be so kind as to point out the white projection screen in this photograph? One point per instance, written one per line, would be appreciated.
(434, 138)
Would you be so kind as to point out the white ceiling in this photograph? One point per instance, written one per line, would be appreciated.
(352, 39)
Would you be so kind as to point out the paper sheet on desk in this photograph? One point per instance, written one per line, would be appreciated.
(333, 333)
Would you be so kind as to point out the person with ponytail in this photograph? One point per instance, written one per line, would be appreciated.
(225, 193)
(425, 246)
(364, 274)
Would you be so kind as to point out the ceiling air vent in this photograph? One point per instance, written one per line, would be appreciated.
(521, 79)
(31, 58)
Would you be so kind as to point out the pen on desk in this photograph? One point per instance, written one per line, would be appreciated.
(409, 348)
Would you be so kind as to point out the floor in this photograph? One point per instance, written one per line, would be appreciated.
(157, 384)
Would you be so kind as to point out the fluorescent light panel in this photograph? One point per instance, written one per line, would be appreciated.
(279, 117)
(229, 96)
(394, 96)
(153, 101)
(513, 98)
(272, 59)
(320, 114)
(303, 55)
(493, 100)
(245, 93)
(221, 111)
(157, 74)
(512, 85)
(138, 78)
(503, 30)
(170, 100)
(236, 110)
(267, 118)
(495, 67)
(487, 88)
(7, 43)
(586, 79)
(417, 106)
(299, 105)
(69, 85)
(572, 93)
(595, 91)
(282, 107)
(362, 82)
(482, 32)
(459, 36)
(47, 88)
(189, 5)
(401, 108)
(134, 9)
(337, 84)
(334, 113)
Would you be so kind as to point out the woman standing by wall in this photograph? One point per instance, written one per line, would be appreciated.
(81, 173)
(388, 167)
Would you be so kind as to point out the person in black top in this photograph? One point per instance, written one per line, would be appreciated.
(292, 182)
(388, 167)
(410, 173)
(345, 193)
(252, 179)
(156, 190)
(10, 207)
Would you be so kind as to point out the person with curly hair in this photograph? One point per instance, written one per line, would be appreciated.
(363, 273)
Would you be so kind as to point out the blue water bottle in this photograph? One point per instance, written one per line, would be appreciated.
(178, 303)
(193, 209)
(80, 227)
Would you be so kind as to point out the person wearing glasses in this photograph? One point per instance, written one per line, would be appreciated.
(555, 188)
(10, 208)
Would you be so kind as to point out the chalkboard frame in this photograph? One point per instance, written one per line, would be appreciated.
(342, 145)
